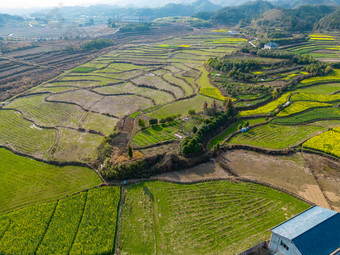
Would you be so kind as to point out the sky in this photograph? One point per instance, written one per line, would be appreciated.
(21, 4)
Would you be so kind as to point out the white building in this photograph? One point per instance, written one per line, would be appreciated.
(271, 46)
(316, 231)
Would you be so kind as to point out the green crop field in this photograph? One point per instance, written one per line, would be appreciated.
(312, 115)
(24, 136)
(266, 109)
(46, 113)
(328, 142)
(323, 89)
(314, 97)
(275, 136)
(182, 107)
(219, 217)
(81, 224)
(333, 76)
(159, 134)
(231, 129)
(26, 181)
(300, 106)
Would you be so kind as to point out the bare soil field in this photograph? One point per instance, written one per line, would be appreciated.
(200, 172)
(310, 176)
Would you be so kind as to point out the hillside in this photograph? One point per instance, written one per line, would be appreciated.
(301, 19)
(246, 12)
(5, 18)
(330, 22)
(297, 3)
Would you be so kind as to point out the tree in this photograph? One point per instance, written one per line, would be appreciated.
(213, 105)
(130, 153)
(275, 94)
(110, 23)
(205, 106)
(192, 112)
(141, 122)
(194, 129)
(153, 121)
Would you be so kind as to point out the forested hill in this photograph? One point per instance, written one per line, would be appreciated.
(330, 22)
(5, 18)
(244, 13)
(304, 18)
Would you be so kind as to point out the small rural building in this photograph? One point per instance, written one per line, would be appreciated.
(135, 19)
(315, 231)
(271, 46)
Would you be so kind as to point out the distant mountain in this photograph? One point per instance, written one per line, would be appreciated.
(176, 9)
(244, 13)
(303, 18)
(103, 12)
(6, 18)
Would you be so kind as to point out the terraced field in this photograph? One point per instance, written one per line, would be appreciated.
(328, 142)
(301, 106)
(275, 136)
(24, 136)
(266, 109)
(87, 101)
(332, 77)
(320, 46)
(218, 217)
(327, 113)
(86, 223)
(159, 134)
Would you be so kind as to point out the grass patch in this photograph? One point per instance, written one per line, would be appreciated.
(134, 115)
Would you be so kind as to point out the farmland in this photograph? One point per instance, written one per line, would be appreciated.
(72, 113)
(327, 142)
(161, 133)
(275, 136)
(300, 107)
(61, 227)
(310, 116)
(170, 216)
(332, 77)
(86, 222)
(29, 181)
(161, 99)
(266, 109)
(320, 46)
